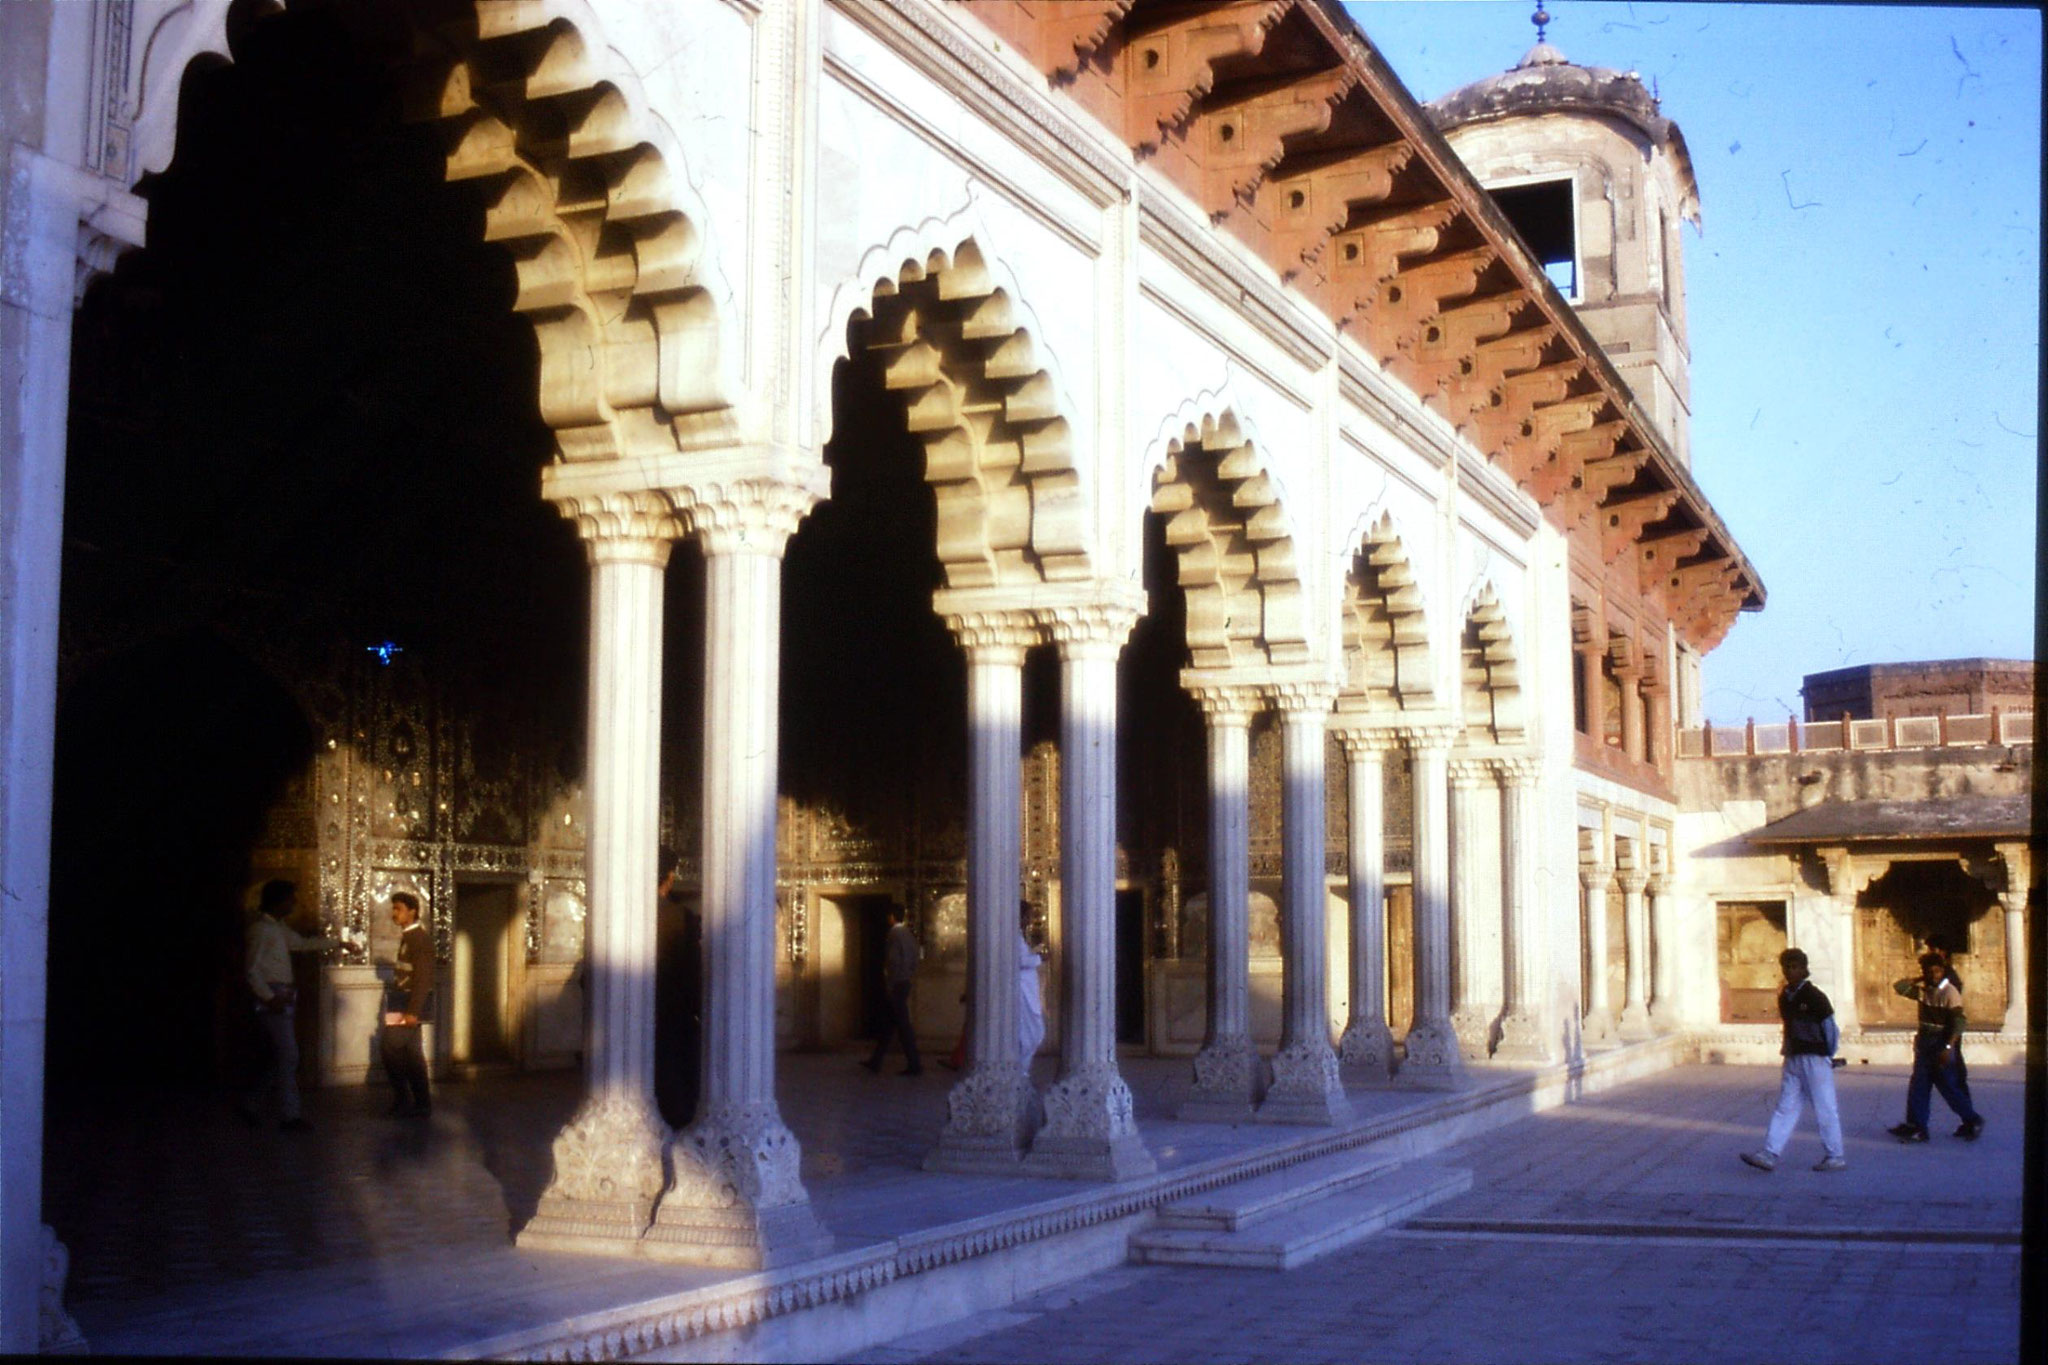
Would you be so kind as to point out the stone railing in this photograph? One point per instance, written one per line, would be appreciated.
(1897, 732)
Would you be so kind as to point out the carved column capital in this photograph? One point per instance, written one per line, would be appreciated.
(1437, 735)
(1633, 880)
(1596, 877)
(993, 634)
(1470, 774)
(1300, 697)
(1225, 703)
(1366, 741)
(622, 527)
(1084, 628)
(1517, 771)
(749, 516)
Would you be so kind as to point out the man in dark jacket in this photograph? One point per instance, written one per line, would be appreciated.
(899, 971)
(1808, 1075)
(406, 1004)
(1937, 1051)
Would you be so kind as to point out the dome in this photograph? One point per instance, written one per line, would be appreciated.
(1545, 81)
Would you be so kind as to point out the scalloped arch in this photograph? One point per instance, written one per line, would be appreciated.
(1235, 552)
(955, 343)
(1490, 670)
(575, 170)
(1385, 620)
(932, 244)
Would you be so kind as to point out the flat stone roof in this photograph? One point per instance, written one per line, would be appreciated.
(1849, 822)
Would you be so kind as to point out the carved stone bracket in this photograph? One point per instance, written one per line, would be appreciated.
(2017, 858)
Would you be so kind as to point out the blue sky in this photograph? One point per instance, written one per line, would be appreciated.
(1863, 301)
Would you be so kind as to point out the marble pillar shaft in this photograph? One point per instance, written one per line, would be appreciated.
(1522, 1037)
(990, 1111)
(623, 796)
(1599, 1029)
(1471, 1013)
(1367, 1041)
(1228, 1069)
(1305, 1006)
(742, 670)
(1089, 1132)
(1635, 1012)
(1663, 954)
(608, 1160)
(1088, 856)
(1306, 1087)
(995, 723)
(1431, 1052)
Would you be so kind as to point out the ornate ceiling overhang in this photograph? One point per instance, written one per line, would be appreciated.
(1280, 120)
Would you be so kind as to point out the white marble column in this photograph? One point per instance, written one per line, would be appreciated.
(735, 1198)
(1430, 1056)
(2013, 898)
(1522, 1034)
(1472, 1014)
(1635, 1007)
(607, 1162)
(1367, 1044)
(1598, 1029)
(1306, 1087)
(1089, 1132)
(1228, 1069)
(992, 1110)
(1663, 922)
(1631, 712)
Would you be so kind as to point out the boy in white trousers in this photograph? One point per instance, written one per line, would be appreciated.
(1808, 1076)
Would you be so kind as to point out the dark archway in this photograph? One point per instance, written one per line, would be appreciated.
(1916, 903)
(303, 424)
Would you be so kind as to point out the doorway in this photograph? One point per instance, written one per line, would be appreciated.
(852, 1002)
(1130, 968)
(484, 971)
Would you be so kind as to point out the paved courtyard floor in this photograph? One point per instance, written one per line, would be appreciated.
(1620, 1228)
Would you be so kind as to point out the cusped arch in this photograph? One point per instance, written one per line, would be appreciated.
(1490, 672)
(1385, 622)
(953, 342)
(574, 171)
(1234, 549)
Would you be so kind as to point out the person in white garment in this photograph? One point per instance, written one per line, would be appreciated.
(268, 972)
(1030, 1008)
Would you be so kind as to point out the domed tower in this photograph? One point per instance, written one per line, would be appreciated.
(1582, 161)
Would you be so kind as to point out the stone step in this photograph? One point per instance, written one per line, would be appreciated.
(1243, 1202)
(1302, 1233)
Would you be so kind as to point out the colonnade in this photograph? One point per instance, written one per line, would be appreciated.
(725, 1189)
(1649, 946)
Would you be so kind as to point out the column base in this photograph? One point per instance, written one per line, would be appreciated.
(1598, 1033)
(2015, 1024)
(1089, 1133)
(1635, 1026)
(1305, 1088)
(1431, 1059)
(1664, 1019)
(736, 1201)
(608, 1175)
(1229, 1078)
(1523, 1040)
(992, 1113)
(1367, 1047)
(1474, 1027)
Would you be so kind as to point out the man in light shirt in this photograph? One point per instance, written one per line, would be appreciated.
(268, 970)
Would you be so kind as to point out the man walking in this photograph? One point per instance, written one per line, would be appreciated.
(409, 1001)
(268, 969)
(899, 970)
(1808, 1075)
(1937, 1052)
